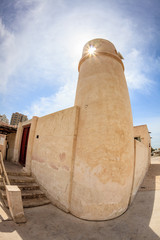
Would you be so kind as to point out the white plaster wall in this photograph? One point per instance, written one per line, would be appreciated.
(53, 154)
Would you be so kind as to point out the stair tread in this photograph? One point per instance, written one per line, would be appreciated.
(32, 196)
(34, 202)
(18, 174)
(20, 177)
(22, 186)
(27, 184)
(30, 192)
(26, 192)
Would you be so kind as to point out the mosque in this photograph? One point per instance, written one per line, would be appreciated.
(89, 158)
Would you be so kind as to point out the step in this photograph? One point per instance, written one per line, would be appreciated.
(27, 194)
(32, 196)
(21, 179)
(24, 186)
(9, 173)
(34, 202)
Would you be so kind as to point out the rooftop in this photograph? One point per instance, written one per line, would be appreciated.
(7, 128)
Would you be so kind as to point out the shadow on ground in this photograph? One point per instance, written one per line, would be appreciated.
(48, 222)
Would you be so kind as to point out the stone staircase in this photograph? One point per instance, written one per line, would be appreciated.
(32, 196)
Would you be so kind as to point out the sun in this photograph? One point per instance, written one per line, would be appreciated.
(91, 50)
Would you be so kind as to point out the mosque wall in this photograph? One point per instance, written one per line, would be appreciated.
(53, 154)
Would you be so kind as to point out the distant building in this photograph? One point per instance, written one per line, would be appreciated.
(4, 119)
(156, 152)
(18, 117)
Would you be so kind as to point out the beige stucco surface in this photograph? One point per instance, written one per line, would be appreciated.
(11, 141)
(53, 154)
(104, 157)
(3, 145)
(142, 132)
(141, 166)
(17, 144)
(14, 199)
(32, 124)
(84, 157)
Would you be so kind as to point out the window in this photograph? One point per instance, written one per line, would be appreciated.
(138, 138)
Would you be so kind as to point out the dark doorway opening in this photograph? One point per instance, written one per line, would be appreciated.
(24, 143)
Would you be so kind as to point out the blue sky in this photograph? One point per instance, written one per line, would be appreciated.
(41, 44)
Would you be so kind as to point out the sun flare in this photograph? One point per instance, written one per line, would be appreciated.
(91, 50)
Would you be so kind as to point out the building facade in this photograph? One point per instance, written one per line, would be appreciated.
(18, 117)
(4, 119)
(85, 157)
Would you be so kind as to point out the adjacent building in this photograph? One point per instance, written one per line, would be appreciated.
(4, 119)
(18, 117)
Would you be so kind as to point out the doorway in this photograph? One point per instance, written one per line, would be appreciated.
(24, 143)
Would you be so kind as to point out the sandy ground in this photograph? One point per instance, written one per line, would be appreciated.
(140, 221)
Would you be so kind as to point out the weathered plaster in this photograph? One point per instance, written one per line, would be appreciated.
(83, 157)
(142, 132)
(15, 204)
(53, 154)
(17, 145)
(11, 142)
(3, 145)
(104, 158)
(33, 124)
(141, 166)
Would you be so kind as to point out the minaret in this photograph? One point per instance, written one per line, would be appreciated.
(104, 155)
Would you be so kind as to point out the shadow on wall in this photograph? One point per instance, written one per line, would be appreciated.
(50, 222)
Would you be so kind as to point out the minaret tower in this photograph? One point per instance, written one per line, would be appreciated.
(104, 155)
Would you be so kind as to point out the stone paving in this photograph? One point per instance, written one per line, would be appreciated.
(141, 221)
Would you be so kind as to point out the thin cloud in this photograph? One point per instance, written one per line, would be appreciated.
(136, 71)
(64, 98)
(44, 45)
(50, 39)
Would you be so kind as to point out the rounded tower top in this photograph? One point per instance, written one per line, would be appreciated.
(98, 45)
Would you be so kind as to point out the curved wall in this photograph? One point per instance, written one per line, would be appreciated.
(104, 157)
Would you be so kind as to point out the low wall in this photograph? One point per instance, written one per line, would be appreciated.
(3, 145)
(142, 132)
(141, 166)
(11, 141)
(53, 154)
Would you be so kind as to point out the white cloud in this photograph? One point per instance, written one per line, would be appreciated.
(7, 65)
(64, 98)
(47, 44)
(135, 65)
